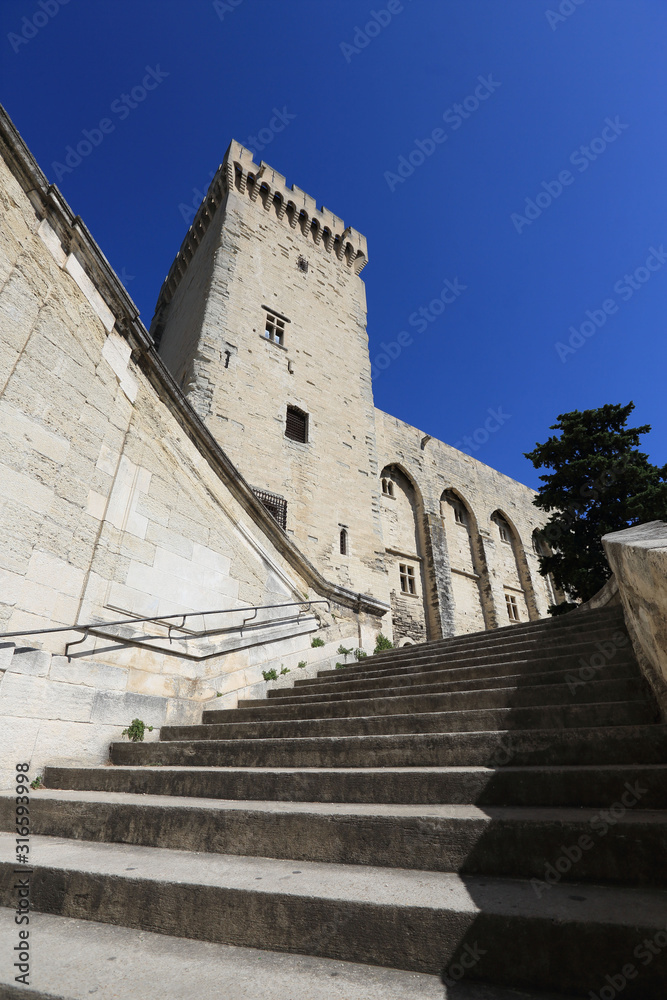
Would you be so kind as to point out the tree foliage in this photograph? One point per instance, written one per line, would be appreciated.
(600, 483)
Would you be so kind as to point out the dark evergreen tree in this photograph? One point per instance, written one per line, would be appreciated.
(600, 482)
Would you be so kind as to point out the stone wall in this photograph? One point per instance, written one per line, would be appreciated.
(467, 567)
(638, 558)
(115, 502)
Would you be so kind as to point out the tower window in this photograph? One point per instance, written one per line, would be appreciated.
(275, 329)
(512, 607)
(407, 575)
(459, 516)
(296, 424)
(302, 264)
(387, 488)
(343, 542)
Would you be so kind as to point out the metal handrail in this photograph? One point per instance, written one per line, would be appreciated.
(163, 619)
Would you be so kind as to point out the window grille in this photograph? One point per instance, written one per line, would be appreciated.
(343, 542)
(274, 504)
(296, 424)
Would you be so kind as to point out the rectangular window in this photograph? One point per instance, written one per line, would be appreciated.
(275, 329)
(407, 574)
(512, 607)
(296, 424)
(458, 515)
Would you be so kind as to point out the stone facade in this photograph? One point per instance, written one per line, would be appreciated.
(116, 503)
(117, 500)
(263, 310)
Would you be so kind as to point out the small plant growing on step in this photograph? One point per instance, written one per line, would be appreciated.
(219, 694)
(317, 642)
(283, 670)
(135, 731)
(301, 664)
(340, 666)
(382, 643)
(270, 675)
(37, 783)
(359, 654)
(343, 651)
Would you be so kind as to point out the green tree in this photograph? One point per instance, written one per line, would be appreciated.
(600, 482)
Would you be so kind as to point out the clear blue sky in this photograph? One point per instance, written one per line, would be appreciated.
(552, 81)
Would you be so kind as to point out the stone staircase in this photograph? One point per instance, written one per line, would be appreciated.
(489, 808)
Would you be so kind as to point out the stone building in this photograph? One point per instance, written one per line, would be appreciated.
(262, 322)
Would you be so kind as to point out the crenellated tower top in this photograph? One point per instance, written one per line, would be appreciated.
(268, 190)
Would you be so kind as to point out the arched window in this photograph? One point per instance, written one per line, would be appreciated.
(343, 541)
(387, 488)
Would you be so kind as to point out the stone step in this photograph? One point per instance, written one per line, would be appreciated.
(623, 744)
(122, 964)
(543, 630)
(607, 649)
(429, 922)
(623, 844)
(328, 722)
(570, 786)
(154, 966)
(342, 680)
(561, 686)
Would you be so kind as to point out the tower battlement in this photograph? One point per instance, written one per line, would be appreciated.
(268, 190)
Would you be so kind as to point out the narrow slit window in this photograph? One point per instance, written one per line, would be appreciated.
(512, 607)
(343, 542)
(407, 575)
(296, 424)
(504, 530)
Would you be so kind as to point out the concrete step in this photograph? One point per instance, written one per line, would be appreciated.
(562, 626)
(623, 744)
(533, 649)
(589, 786)
(546, 632)
(622, 844)
(123, 964)
(328, 723)
(429, 922)
(526, 670)
(483, 693)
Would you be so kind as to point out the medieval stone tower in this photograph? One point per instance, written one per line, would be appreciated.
(262, 321)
